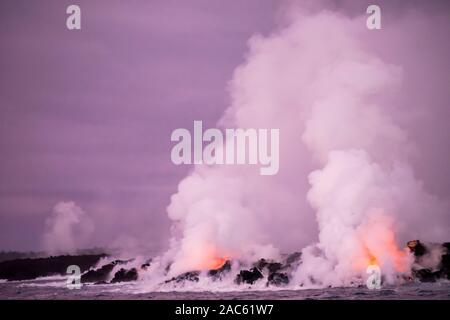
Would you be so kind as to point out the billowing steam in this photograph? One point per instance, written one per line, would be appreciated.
(330, 97)
(67, 229)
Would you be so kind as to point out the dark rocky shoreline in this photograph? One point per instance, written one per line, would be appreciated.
(274, 273)
(422, 270)
(27, 269)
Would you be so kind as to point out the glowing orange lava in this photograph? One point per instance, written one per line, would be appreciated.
(217, 263)
(372, 260)
(211, 258)
(379, 246)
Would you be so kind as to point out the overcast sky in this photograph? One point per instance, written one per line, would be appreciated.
(86, 115)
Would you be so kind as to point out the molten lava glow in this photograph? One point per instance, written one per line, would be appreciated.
(379, 246)
(217, 263)
(372, 259)
(211, 258)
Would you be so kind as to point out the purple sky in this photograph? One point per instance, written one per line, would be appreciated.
(86, 115)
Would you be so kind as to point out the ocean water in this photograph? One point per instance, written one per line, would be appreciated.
(55, 288)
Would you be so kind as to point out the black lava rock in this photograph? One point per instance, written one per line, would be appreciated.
(445, 266)
(26, 269)
(98, 275)
(101, 274)
(187, 276)
(218, 273)
(271, 266)
(293, 258)
(426, 275)
(446, 245)
(146, 264)
(278, 279)
(249, 276)
(417, 248)
(125, 275)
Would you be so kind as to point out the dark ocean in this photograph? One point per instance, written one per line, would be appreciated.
(55, 288)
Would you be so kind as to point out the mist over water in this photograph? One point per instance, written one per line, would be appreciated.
(67, 229)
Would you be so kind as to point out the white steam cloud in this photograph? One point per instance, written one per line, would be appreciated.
(341, 154)
(68, 228)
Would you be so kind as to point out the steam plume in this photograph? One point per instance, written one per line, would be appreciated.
(67, 229)
(341, 154)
